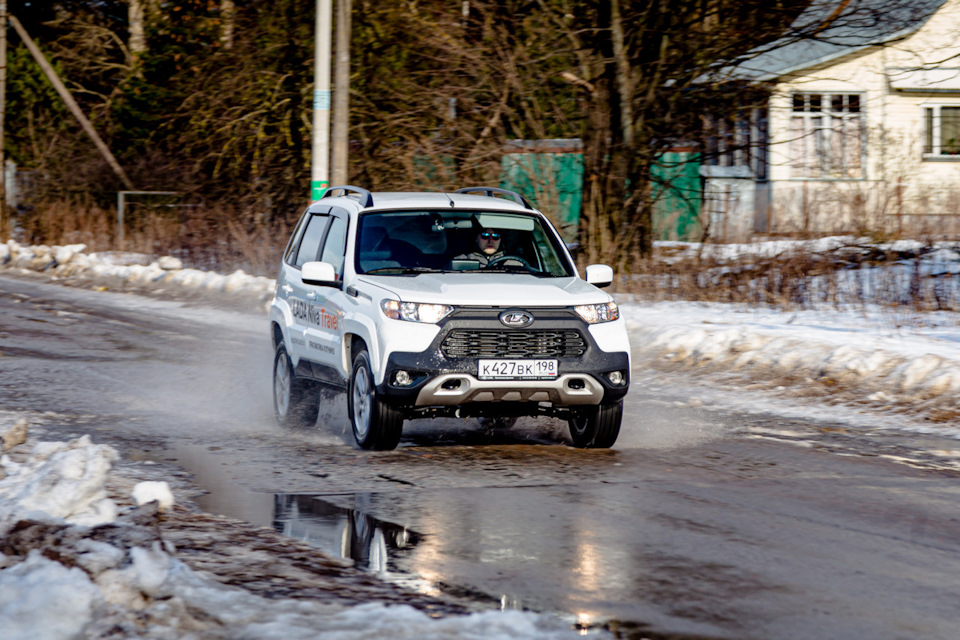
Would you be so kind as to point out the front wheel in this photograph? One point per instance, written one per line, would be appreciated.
(295, 400)
(596, 427)
(376, 425)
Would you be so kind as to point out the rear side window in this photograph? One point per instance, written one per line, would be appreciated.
(309, 248)
(336, 245)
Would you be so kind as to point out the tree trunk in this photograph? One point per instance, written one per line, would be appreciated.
(228, 12)
(136, 14)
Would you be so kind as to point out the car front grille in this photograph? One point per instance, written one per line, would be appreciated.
(465, 343)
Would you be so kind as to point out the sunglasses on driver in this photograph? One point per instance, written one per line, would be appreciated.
(486, 235)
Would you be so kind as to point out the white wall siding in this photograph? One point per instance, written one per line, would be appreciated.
(897, 186)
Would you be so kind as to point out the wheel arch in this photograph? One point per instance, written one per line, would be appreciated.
(353, 343)
(277, 333)
(360, 333)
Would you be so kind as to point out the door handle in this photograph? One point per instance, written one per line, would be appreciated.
(286, 288)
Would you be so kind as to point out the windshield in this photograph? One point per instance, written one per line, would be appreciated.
(411, 242)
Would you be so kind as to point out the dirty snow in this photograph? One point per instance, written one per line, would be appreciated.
(76, 581)
(886, 363)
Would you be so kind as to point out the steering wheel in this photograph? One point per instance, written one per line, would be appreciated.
(504, 258)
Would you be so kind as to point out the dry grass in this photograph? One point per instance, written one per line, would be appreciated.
(212, 238)
(853, 275)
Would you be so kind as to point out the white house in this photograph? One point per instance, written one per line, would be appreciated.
(863, 132)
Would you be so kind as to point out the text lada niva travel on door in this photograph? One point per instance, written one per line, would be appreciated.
(443, 304)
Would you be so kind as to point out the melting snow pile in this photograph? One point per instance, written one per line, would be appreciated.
(132, 269)
(74, 565)
(867, 356)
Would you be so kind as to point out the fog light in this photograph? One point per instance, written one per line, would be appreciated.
(617, 378)
(403, 379)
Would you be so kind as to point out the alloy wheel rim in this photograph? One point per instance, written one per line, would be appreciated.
(579, 425)
(281, 387)
(361, 403)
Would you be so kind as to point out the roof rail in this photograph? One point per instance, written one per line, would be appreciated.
(365, 197)
(489, 191)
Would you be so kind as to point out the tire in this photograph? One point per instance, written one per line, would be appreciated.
(296, 402)
(596, 427)
(376, 425)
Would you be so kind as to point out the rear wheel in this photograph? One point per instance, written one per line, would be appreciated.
(376, 425)
(295, 400)
(596, 427)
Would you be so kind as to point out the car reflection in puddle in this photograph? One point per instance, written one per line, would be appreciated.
(344, 533)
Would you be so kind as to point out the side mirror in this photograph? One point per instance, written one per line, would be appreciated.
(320, 274)
(599, 275)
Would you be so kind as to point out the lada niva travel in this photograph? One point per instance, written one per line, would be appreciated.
(444, 304)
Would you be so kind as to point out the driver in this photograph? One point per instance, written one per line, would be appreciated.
(488, 248)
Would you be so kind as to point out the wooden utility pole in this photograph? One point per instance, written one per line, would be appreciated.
(341, 96)
(320, 153)
(3, 110)
(70, 102)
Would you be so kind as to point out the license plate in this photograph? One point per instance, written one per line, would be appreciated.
(503, 369)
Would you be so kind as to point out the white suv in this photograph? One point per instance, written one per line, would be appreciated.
(436, 304)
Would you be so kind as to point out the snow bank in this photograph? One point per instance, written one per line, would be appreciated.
(945, 252)
(867, 355)
(132, 269)
(73, 566)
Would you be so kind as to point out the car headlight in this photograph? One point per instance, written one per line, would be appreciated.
(415, 311)
(596, 313)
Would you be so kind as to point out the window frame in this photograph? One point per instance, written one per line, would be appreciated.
(550, 235)
(323, 236)
(739, 141)
(817, 161)
(293, 246)
(340, 252)
(933, 130)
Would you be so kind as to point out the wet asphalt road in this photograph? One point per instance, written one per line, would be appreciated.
(703, 521)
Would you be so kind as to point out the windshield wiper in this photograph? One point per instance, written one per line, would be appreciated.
(515, 269)
(509, 268)
(400, 271)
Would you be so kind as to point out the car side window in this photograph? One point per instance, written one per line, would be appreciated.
(291, 251)
(336, 245)
(312, 236)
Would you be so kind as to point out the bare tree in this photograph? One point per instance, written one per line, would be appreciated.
(136, 14)
(228, 10)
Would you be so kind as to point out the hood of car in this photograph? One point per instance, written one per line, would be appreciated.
(494, 289)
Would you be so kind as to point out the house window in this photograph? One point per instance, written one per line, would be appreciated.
(826, 136)
(737, 140)
(941, 128)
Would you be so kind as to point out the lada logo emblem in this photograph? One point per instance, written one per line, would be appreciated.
(515, 318)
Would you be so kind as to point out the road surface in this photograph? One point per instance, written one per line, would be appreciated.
(703, 521)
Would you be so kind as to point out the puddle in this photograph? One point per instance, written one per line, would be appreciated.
(343, 533)
(340, 532)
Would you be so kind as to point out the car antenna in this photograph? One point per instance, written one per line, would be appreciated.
(448, 195)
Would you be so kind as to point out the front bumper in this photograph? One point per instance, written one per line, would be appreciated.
(439, 380)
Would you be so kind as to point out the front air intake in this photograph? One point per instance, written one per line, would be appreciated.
(465, 343)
